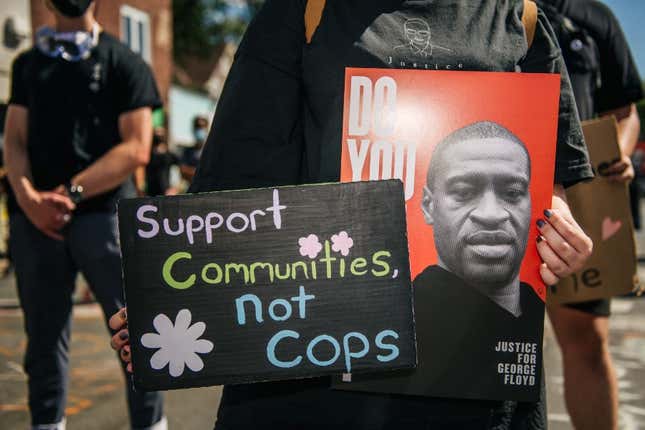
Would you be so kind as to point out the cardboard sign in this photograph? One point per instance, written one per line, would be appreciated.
(601, 207)
(476, 152)
(267, 284)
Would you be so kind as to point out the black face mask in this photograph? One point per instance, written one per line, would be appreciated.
(72, 8)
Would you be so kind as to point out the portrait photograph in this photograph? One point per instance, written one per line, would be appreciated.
(476, 153)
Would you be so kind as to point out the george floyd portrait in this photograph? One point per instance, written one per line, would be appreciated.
(477, 199)
(470, 302)
(478, 164)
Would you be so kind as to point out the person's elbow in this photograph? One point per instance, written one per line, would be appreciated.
(134, 153)
(140, 155)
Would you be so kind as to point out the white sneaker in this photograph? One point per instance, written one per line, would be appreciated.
(162, 424)
(57, 426)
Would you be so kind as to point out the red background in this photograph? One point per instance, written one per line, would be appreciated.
(432, 104)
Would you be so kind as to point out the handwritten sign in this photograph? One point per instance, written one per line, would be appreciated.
(267, 284)
(601, 207)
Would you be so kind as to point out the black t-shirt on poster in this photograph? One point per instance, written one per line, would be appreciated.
(74, 109)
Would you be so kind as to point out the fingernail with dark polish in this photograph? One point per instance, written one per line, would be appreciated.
(123, 335)
(547, 213)
(124, 315)
(540, 238)
(541, 223)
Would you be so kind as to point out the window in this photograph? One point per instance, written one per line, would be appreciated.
(135, 31)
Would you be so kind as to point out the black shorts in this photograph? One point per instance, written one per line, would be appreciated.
(599, 308)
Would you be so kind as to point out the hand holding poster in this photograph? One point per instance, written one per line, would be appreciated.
(601, 207)
(476, 152)
(267, 284)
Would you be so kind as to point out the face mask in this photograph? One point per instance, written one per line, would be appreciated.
(70, 46)
(201, 134)
(71, 8)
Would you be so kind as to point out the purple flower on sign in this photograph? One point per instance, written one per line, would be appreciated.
(309, 246)
(341, 242)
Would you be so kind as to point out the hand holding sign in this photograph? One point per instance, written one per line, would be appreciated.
(120, 342)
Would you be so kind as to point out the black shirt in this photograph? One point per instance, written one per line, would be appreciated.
(279, 121)
(603, 72)
(279, 117)
(158, 172)
(458, 329)
(74, 109)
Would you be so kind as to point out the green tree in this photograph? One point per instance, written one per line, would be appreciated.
(199, 25)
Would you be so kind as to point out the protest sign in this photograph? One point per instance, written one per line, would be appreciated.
(476, 152)
(601, 207)
(267, 284)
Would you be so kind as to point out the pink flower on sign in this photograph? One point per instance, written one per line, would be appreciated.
(341, 242)
(309, 246)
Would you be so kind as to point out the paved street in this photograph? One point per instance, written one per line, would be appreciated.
(96, 394)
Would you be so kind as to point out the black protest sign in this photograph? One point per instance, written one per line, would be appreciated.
(267, 284)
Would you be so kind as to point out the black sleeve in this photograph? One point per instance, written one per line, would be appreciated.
(256, 135)
(19, 85)
(572, 159)
(137, 84)
(620, 82)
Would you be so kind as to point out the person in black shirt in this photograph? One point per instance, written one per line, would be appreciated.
(191, 155)
(605, 82)
(278, 122)
(158, 169)
(77, 127)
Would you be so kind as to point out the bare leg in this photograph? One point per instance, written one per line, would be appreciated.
(590, 386)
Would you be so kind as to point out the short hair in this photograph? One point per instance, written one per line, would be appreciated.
(200, 120)
(477, 130)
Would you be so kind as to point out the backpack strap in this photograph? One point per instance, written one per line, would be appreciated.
(529, 19)
(313, 14)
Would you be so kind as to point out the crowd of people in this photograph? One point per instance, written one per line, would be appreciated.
(276, 124)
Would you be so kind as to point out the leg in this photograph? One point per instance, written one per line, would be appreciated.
(94, 247)
(45, 276)
(590, 387)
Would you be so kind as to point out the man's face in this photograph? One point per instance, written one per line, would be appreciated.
(418, 33)
(480, 209)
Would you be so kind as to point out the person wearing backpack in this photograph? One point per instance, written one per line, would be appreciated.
(605, 82)
(278, 122)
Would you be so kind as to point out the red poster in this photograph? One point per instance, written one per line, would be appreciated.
(476, 154)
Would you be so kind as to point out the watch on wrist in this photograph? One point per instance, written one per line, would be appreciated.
(75, 193)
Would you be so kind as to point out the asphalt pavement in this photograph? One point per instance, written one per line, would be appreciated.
(96, 396)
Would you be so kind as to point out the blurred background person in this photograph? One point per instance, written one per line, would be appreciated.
(191, 155)
(78, 125)
(158, 170)
(606, 82)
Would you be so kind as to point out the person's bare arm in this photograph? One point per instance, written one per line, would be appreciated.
(563, 245)
(120, 162)
(140, 181)
(628, 131)
(48, 211)
(187, 172)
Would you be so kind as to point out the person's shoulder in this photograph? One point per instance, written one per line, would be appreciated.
(108, 41)
(593, 15)
(25, 57)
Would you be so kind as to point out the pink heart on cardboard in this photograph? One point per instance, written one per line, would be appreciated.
(610, 227)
